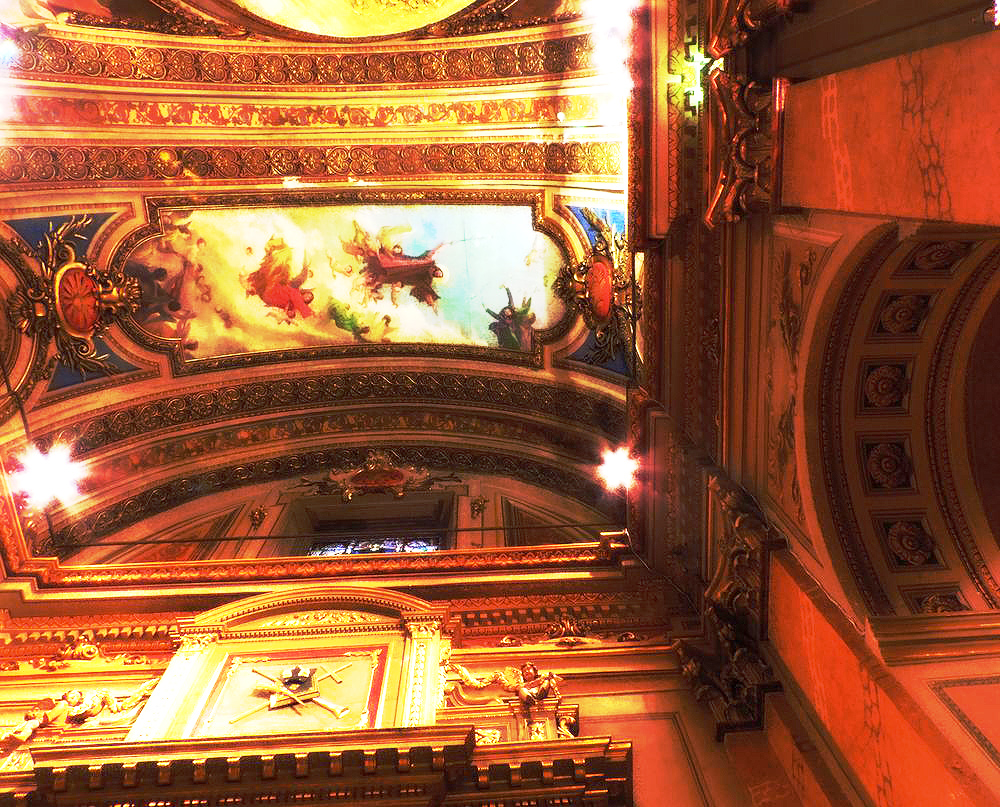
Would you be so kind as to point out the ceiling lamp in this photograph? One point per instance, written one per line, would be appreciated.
(618, 469)
(48, 477)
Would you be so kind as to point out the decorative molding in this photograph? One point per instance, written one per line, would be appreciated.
(43, 111)
(877, 249)
(490, 17)
(423, 626)
(68, 301)
(169, 414)
(309, 619)
(179, 490)
(27, 164)
(937, 637)
(940, 688)
(377, 766)
(192, 644)
(46, 56)
(726, 669)
(940, 387)
(466, 561)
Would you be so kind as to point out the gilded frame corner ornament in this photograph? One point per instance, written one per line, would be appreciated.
(68, 300)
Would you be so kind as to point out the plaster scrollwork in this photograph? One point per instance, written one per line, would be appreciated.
(83, 648)
(197, 643)
(744, 157)
(310, 618)
(488, 736)
(423, 628)
(725, 668)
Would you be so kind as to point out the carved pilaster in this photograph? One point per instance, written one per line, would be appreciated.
(732, 22)
(744, 135)
(423, 654)
(165, 701)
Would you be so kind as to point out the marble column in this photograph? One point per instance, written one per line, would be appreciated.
(916, 136)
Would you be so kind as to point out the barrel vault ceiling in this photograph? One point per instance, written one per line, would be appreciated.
(238, 251)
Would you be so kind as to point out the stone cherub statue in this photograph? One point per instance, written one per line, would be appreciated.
(75, 707)
(530, 685)
(536, 686)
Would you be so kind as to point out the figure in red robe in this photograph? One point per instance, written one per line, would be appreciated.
(274, 284)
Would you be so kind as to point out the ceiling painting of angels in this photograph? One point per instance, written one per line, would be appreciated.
(226, 281)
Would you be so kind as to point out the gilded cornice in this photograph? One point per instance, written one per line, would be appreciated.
(466, 109)
(468, 561)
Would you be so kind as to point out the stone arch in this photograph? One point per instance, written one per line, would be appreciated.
(884, 418)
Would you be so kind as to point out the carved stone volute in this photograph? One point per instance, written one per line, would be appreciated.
(744, 146)
(726, 668)
(733, 22)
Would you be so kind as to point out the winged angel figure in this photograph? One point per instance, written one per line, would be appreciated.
(383, 262)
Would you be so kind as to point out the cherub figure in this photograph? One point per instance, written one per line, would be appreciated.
(537, 686)
(74, 708)
(530, 685)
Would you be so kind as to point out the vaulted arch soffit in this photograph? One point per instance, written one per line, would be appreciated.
(894, 469)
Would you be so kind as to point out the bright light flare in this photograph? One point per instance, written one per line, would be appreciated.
(612, 50)
(9, 52)
(45, 478)
(612, 39)
(618, 469)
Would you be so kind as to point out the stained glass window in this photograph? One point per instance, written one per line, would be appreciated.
(366, 546)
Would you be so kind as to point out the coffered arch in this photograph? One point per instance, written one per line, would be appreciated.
(886, 385)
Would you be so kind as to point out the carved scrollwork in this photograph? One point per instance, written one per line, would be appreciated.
(602, 289)
(83, 648)
(727, 672)
(423, 628)
(742, 146)
(726, 669)
(189, 644)
(311, 618)
(733, 22)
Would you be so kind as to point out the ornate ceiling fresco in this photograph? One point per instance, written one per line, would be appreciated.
(233, 261)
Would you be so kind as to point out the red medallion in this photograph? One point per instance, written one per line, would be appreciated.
(76, 297)
(599, 291)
